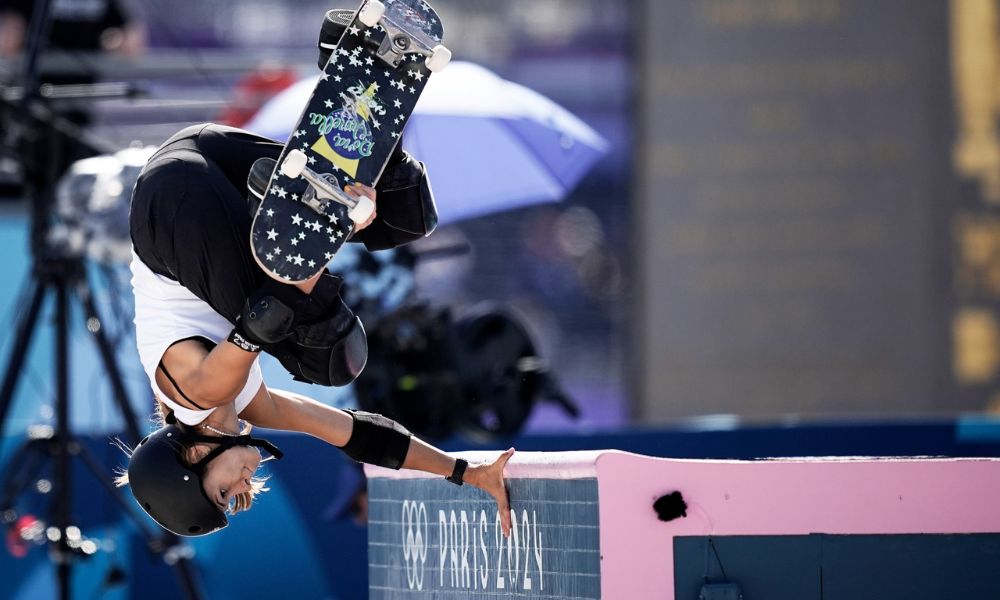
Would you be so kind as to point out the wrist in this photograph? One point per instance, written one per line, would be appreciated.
(459, 473)
(473, 474)
(306, 287)
(240, 341)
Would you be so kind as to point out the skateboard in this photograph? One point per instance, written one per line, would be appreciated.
(346, 134)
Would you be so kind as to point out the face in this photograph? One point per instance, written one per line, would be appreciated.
(229, 474)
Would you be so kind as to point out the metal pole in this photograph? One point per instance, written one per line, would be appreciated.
(62, 484)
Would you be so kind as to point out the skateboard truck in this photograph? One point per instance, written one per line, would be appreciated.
(324, 188)
(398, 41)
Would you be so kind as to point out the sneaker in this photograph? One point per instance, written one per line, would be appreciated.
(334, 24)
(260, 174)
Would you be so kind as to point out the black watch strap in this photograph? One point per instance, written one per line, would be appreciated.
(459, 472)
(235, 337)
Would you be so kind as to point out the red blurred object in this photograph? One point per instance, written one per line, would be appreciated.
(22, 534)
(254, 90)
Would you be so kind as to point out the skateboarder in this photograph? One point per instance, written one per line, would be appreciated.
(205, 310)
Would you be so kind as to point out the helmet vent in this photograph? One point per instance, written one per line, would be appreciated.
(194, 529)
(147, 506)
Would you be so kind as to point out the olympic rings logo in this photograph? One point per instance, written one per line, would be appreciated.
(415, 533)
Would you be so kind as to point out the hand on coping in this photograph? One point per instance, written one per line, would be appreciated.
(489, 478)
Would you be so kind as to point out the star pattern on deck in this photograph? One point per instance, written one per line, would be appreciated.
(293, 244)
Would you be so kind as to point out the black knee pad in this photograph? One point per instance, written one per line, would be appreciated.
(349, 356)
(407, 211)
(331, 352)
(406, 183)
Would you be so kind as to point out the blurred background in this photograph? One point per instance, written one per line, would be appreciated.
(787, 244)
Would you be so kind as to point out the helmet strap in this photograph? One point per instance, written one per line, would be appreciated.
(224, 442)
(227, 442)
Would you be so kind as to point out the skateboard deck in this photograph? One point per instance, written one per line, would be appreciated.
(346, 134)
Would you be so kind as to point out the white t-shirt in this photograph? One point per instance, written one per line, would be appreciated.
(167, 312)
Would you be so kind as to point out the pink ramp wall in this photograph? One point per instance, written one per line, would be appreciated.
(800, 496)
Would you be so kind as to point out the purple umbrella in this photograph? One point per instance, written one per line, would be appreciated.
(490, 145)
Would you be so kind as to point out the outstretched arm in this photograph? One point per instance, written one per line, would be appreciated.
(211, 377)
(276, 409)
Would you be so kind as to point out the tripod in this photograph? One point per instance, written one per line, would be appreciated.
(64, 276)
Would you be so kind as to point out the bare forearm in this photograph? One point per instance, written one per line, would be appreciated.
(287, 411)
(424, 457)
(222, 374)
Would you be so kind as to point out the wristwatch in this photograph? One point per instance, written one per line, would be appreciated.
(459, 472)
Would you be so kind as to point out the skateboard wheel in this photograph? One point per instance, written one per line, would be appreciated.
(439, 58)
(371, 13)
(362, 211)
(294, 164)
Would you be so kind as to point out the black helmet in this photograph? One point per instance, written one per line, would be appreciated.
(169, 489)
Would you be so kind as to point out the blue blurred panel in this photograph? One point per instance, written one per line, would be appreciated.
(911, 567)
(772, 567)
(266, 553)
(978, 429)
(841, 567)
(14, 236)
(427, 535)
(91, 402)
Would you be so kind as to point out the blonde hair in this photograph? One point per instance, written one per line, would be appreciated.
(238, 503)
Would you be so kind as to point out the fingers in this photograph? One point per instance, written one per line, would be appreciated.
(360, 189)
(361, 226)
(308, 285)
(503, 505)
(503, 497)
(505, 457)
(489, 478)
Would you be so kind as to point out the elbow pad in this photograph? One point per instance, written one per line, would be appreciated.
(332, 348)
(377, 440)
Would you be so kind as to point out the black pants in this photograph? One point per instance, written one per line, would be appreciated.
(190, 219)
